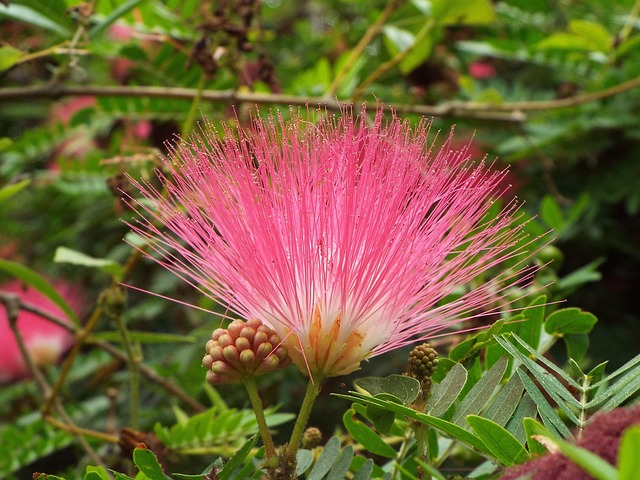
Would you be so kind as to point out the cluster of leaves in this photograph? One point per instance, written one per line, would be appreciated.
(555, 101)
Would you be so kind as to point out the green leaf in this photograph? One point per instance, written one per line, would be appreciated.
(9, 191)
(365, 471)
(326, 459)
(399, 39)
(462, 12)
(531, 329)
(527, 409)
(549, 381)
(9, 56)
(628, 458)
(588, 461)
(382, 419)
(341, 467)
(238, 459)
(96, 473)
(460, 351)
(115, 15)
(481, 392)
(548, 415)
(577, 345)
(506, 402)
(366, 436)
(550, 212)
(443, 394)
(430, 469)
(66, 255)
(534, 428)
(304, 459)
(400, 386)
(581, 276)
(144, 337)
(504, 446)
(598, 36)
(148, 463)
(49, 15)
(623, 388)
(568, 321)
(449, 428)
(33, 279)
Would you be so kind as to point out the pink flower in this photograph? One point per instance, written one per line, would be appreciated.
(45, 341)
(342, 237)
(482, 70)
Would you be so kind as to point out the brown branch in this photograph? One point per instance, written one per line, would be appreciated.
(501, 112)
(234, 97)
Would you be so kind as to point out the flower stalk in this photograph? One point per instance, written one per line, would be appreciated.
(256, 403)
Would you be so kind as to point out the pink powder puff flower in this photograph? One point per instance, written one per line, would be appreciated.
(482, 70)
(45, 341)
(342, 237)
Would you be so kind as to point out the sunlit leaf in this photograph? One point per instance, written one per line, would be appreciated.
(9, 56)
(67, 255)
(10, 190)
(628, 458)
(403, 387)
(148, 463)
(33, 279)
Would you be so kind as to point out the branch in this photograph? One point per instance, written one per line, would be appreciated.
(234, 97)
(510, 112)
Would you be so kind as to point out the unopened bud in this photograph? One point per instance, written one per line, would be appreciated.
(242, 350)
(423, 361)
(311, 438)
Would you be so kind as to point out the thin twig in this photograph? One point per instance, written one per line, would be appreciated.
(235, 97)
(145, 370)
(373, 30)
(11, 303)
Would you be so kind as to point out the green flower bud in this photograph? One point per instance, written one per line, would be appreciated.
(423, 361)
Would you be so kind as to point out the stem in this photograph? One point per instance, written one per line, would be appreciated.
(191, 116)
(373, 30)
(133, 361)
(388, 65)
(313, 389)
(583, 404)
(422, 445)
(256, 403)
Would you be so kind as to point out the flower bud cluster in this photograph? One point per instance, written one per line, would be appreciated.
(241, 350)
(423, 361)
(311, 438)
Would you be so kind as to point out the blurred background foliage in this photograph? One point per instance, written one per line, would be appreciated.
(91, 90)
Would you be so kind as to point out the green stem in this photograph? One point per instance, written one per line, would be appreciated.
(193, 110)
(422, 445)
(133, 361)
(313, 389)
(256, 403)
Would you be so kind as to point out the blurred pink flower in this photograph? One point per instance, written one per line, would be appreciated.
(482, 70)
(44, 340)
(344, 238)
